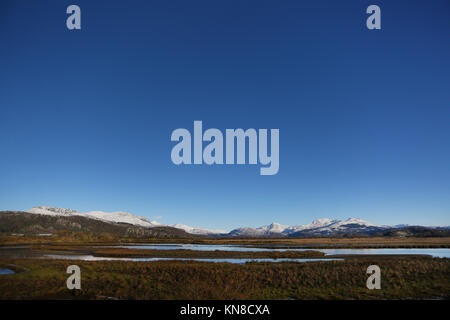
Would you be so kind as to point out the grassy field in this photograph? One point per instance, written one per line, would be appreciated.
(357, 242)
(365, 242)
(401, 278)
(179, 253)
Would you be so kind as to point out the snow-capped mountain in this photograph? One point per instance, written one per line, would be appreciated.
(319, 226)
(118, 217)
(261, 231)
(50, 211)
(194, 230)
(314, 225)
(351, 225)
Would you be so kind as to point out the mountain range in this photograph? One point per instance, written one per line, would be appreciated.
(118, 217)
(127, 223)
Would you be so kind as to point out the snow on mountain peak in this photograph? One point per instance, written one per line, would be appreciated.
(122, 217)
(275, 227)
(116, 217)
(357, 221)
(321, 221)
(195, 230)
(51, 211)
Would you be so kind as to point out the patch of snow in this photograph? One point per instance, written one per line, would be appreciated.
(195, 230)
(115, 217)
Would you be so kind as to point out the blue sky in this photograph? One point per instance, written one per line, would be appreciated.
(86, 116)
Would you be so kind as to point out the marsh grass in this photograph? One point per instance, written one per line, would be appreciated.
(402, 278)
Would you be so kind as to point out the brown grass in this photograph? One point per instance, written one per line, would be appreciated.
(402, 278)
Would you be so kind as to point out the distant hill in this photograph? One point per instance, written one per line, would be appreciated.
(118, 217)
(316, 228)
(352, 227)
(19, 222)
(416, 231)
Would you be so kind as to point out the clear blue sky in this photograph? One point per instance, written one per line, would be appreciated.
(364, 116)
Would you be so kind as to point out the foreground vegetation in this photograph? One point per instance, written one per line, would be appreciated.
(402, 278)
